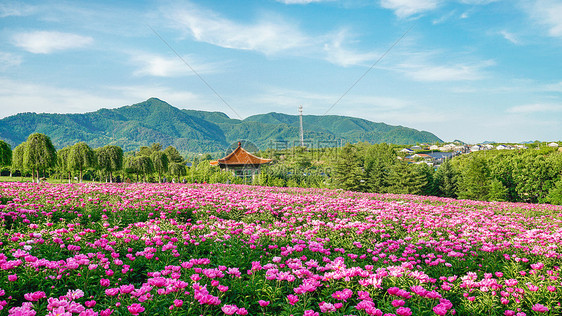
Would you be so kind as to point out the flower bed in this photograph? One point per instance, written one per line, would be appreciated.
(161, 249)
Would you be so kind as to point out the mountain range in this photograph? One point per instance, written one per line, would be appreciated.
(192, 131)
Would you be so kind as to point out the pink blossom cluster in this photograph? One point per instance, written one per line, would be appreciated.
(199, 248)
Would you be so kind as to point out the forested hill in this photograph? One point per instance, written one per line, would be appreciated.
(154, 121)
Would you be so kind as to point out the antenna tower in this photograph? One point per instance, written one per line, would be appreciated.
(301, 129)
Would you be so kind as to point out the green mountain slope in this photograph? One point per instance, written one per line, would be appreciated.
(196, 131)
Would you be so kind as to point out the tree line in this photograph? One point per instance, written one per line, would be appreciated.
(525, 175)
(38, 158)
(531, 175)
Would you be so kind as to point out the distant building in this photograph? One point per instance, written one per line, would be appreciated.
(475, 148)
(553, 145)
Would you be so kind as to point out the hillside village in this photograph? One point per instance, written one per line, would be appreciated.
(435, 155)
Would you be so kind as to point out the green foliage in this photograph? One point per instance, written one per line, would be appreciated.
(403, 179)
(379, 159)
(474, 181)
(17, 157)
(445, 180)
(140, 165)
(5, 154)
(40, 154)
(159, 163)
(348, 172)
(555, 194)
(497, 191)
(109, 159)
(425, 174)
(80, 157)
(173, 155)
(63, 162)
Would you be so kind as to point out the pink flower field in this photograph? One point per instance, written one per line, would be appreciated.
(174, 249)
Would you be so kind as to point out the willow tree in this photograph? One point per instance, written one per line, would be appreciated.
(177, 169)
(160, 163)
(5, 154)
(40, 154)
(62, 162)
(81, 157)
(139, 165)
(109, 159)
(173, 154)
(17, 158)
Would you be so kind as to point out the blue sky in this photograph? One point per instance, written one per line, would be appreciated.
(473, 70)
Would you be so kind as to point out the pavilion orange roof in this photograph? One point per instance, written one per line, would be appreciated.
(240, 157)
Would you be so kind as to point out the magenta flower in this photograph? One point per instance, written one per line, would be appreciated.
(135, 309)
(398, 303)
(112, 292)
(292, 299)
(540, 308)
(126, 289)
(326, 307)
(310, 312)
(229, 309)
(404, 311)
(263, 303)
(440, 310)
(105, 282)
(35, 296)
(12, 277)
(242, 311)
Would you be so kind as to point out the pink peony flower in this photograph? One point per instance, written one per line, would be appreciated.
(35, 296)
(404, 311)
(229, 309)
(135, 309)
(398, 303)
(292, 299)
(263, 303)
(540, 308)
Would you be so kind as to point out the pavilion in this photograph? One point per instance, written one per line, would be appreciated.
(241, 162)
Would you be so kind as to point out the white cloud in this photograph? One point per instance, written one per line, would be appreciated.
(269, 36)
(548, 13)
(407, 8)
(301, 1)
(510, 37)
(8, 60)
(431, 72)
(444, 18)
(15, 9)
(337, 54)
(155, 65)
(535, 108)
(555, 87)
(45, 42)
(478, 2)
(315, 103)
(19, 96)
(180, 99)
